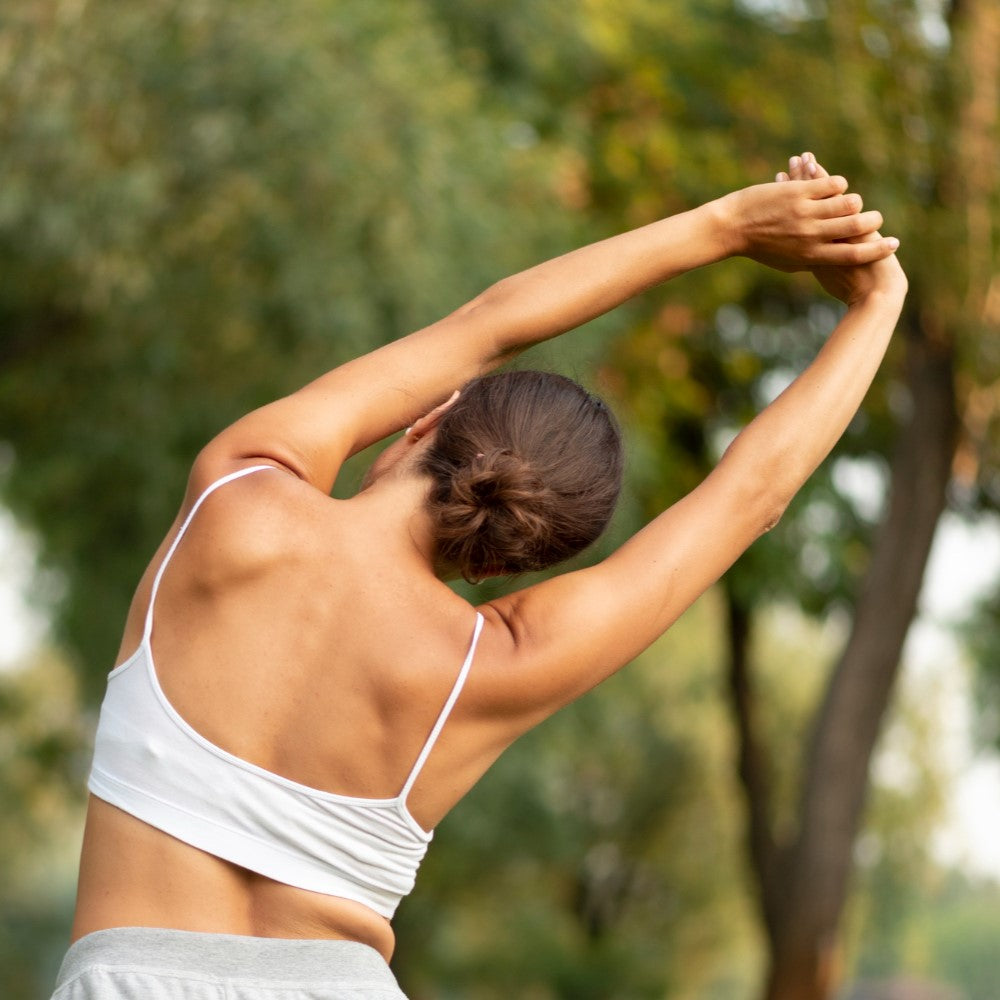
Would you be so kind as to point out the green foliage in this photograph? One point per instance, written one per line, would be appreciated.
(205, 205)
(981, 637)
(898, 903)
(946, 930)
(963, 944)
(44, 753)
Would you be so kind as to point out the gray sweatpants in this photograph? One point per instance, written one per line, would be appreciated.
(148, 963)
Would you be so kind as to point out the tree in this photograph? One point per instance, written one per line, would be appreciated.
(945, 193)
(804, 881)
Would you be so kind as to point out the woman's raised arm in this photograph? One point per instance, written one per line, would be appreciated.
(311, 432)
(566, 635)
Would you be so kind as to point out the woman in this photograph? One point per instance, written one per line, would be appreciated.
(263, 793)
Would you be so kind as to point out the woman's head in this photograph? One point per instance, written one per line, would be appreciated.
(525, 472)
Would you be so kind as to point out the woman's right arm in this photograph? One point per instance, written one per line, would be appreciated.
(312, 431)
(560, 638)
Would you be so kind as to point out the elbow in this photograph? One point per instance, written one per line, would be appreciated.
(764, 503)
(761, 507)
(762, 489)
(770, 513)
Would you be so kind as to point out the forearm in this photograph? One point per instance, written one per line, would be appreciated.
(786, 442)
(563, 293)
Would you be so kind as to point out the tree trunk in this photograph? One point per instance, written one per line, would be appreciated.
(803, 886)
(752, 761)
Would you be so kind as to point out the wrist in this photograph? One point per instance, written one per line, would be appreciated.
(888, 295)
(726, 235)
(890, 283)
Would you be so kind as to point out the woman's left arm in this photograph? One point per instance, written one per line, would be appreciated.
(312, 431)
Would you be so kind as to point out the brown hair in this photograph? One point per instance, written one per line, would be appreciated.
(526, 467)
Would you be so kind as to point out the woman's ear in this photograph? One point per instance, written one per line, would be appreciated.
(425, 424)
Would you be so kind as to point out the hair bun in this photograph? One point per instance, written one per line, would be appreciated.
(492, 514)
(525, 470)
(498, 477)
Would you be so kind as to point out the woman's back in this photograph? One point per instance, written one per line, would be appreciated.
(301, 636)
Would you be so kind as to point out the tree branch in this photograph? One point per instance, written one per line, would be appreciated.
(752, 765)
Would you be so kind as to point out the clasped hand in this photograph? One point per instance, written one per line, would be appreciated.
(807, 220)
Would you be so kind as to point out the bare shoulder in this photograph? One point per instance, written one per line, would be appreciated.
(259, 514)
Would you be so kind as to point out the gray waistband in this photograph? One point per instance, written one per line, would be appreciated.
(229, 956)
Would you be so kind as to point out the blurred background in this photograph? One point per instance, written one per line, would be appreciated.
(796, 793)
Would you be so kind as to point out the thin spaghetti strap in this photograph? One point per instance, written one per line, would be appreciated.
(446, 711)
(239, 473)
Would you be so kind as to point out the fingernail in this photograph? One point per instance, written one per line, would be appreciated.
(811, 167)
(893, 242)
(794, 163)
(407, 431)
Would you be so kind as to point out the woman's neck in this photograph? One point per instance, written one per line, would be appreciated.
(394, 508)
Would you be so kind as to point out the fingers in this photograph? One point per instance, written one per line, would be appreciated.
(797, 168)
(803, 168)
(837, 206)
(816, 169)
(830, 200)
(825, 187)
(851, 226)
(800, 168)
(806, 167)
(818, 187)
(422, 425)
(852, 254)
(867, 224)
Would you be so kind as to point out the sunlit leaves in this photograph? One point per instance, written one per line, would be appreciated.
(204, 206)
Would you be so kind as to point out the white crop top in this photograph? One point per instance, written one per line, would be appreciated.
(150, 763)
